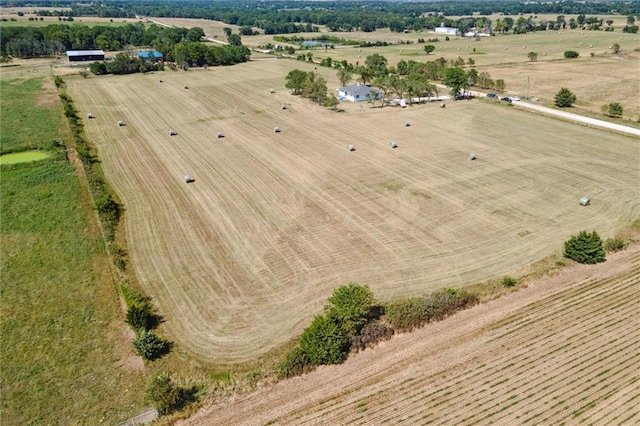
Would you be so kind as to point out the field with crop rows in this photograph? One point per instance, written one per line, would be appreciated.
(240, 260)
(562, 351)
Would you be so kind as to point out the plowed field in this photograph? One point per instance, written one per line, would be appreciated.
(240, 260)
(562, 351)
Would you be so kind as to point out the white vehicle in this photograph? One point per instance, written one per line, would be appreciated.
(514, 98)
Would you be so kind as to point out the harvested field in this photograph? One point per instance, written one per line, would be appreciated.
(562, 351)
(240, 260)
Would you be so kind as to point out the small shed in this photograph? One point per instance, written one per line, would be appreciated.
(120, 123)
(172, 132)
(89, 115)
(472, 156)
(188, 179)
(407, 124)
(283, 106)
(276, 129)
(219, 135)
(584, 201)
(393, 144)
(351, 148)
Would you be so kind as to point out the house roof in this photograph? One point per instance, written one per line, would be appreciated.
(358, 89)
(84, 52)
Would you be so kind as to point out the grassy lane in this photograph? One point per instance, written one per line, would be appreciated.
(64, 358)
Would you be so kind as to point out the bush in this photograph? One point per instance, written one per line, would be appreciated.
(615, 244)
(585, 247)
(570, 54)
(296, 362)
(163, 394)
(509, 282)
(58, 81)
(139, 316)
(564, 98)
(149, 345)
(415, 312)
(323, 342)
(372, 333)
(613, 109)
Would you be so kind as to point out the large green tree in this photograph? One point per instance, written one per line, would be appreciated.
(296, 81)
(323, 342)
(377, 64)
(456, 78)
(350, 307)
(344, 76)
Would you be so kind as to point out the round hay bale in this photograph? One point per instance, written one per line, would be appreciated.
(393, 144)
(407, 124)
(272, 90)
(506, 48)
(351, 148)
(276, 129)
(443, 105)
(584, 201)
(186, 87)
(160, 80)
(89, 115)
(172, 132)
(472, 156)
(120, 123)
(188, 179)
(283, 106)
(219, 135)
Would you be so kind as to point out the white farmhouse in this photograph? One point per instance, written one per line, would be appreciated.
(446, 30)
(358, 93)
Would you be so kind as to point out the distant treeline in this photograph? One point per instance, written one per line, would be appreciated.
(177, 44)
(282, 17)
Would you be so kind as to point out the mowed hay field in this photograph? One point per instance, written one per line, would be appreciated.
(240, 260)
(562, 351)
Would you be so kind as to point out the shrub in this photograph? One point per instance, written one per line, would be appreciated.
(615, 244)
(58, 81)
(323, 342)
(296, 362)
(585, 247)
(168, 397)
(351, 307)
(405, 315)
(372, 333)
(509, 282)
(139, 316)
(149, 345)
(570, 54)
(614, 109)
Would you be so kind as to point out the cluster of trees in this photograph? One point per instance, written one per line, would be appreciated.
(353, 320)
(613, 109)
(26, 42)
(311, 86)
(124, 64)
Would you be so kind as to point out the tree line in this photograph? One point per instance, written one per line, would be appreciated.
(282, 17)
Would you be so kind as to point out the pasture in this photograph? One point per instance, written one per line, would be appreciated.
(65, 358)
(562, 351)
(240, 260)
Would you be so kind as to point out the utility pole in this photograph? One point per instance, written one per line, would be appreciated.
(528, 80)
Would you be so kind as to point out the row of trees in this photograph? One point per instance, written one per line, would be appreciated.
(354, 320)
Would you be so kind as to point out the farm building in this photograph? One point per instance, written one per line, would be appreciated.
(85, 55)
(151, 56)
(446, 30)
(358, 93)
